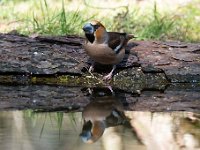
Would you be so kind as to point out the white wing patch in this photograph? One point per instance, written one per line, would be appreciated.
(122, 39)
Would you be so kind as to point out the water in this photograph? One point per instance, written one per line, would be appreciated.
(75, 118)
(25, 130)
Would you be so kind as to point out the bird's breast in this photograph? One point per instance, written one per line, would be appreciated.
(103, 54)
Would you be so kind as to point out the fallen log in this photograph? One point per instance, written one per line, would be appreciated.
(50, 74)
(22, 55)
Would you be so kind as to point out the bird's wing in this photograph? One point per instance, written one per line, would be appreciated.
(117, 40)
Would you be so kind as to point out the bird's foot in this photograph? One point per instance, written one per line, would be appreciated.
(108, 77)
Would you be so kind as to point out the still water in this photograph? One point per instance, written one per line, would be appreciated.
(76, 118)
(120, 130)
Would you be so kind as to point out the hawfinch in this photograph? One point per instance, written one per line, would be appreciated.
(101, 113)
(104, 47)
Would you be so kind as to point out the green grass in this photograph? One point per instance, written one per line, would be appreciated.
(157, 26)
(152, 26)
(48, 17)
(59, 22)
(43, 19)
(187, 26)
(57, 119)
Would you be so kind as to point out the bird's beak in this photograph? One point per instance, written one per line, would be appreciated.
(88, 28)
(86, 134)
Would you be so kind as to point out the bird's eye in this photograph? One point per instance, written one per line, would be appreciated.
(96, 26)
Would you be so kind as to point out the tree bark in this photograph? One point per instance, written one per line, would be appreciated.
(59, 64)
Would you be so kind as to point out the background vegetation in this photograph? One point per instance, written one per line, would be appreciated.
(61, 17)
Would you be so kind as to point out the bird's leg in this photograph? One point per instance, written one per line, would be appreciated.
(109, 76)
(90, 91)
(91, 69)
(111, 90)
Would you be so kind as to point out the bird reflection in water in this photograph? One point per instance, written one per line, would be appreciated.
(104, 111)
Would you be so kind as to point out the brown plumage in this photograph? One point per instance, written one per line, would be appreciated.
(104, 47)
(101, 113)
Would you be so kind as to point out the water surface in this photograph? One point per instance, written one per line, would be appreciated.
(25, 130)
(72, 118)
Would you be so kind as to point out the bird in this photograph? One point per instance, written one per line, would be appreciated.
(102, 112)
(107, 48)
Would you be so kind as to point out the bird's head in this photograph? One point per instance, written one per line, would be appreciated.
(94, 30)
(92, 131)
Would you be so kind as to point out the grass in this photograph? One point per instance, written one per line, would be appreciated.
(55, 120)
(56, 23)
(158, 26)
(188, 24)
(63, 17)
(153, 26)
(43, 19)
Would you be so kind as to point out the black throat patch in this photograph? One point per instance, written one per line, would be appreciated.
(90, 37)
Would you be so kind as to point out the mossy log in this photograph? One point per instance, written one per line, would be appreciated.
(40, 56)
(43, 65)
